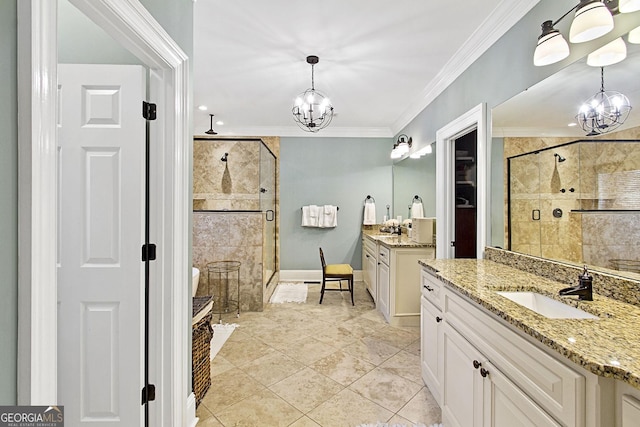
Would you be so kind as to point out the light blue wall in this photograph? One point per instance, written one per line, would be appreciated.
(330, 171)
(9, 205)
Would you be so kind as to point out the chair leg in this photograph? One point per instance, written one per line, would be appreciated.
(351, 290)
(322, 292)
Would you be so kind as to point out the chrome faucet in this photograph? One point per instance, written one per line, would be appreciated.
(584, 288)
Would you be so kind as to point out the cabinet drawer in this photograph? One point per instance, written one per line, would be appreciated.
(369, 244)
(431, 287)
(553, 385)
(385, 255)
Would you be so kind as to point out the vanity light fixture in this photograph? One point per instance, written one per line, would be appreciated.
(592, 19)
(312, 110)
(402, 146)
(211, 131)
(627, 6)
(422, 152)
(609, 54)
(603, 112)
(634, 36)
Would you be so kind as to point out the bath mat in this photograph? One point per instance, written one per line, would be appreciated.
(289, 292)
(220, 334)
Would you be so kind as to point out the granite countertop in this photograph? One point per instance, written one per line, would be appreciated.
(608, 346)
(393, 240)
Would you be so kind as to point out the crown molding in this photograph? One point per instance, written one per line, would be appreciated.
(503, 17)
(295, 131)
(523, 132)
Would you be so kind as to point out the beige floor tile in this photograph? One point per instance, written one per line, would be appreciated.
(386, 389)
(219, 365)
(397, 420)
(413, 348)
(306, 350)
(262, 409)
(422, 409)
(349, 409)
(406, 365)
(203, 413)
(397, 337)
(342, 367)
(305, 422)
(372, 350)
(241, 352)
(336, 336)
(306, 389)
(272, 368)
(210, 422)
(228, 388)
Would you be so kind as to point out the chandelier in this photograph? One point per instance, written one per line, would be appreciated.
(603, 112)
(311, 110)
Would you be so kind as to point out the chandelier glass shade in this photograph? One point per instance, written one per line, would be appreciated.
(603, 112)
(312, 110)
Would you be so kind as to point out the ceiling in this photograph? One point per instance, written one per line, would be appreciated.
(381, 62)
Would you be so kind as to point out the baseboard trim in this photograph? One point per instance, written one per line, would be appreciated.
(192, 420)
(310, 275)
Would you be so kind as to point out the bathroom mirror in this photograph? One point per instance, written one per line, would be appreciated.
(414, 177)
(537, 119)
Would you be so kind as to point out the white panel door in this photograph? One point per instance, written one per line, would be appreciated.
(101, 138)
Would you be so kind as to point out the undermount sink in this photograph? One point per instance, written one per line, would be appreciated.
(546, 306)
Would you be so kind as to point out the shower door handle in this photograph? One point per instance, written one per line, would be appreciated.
(535, 214)
(270, 213)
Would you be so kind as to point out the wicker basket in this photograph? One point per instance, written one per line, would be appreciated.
(201, 350)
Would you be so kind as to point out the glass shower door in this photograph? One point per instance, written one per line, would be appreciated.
(268, 208)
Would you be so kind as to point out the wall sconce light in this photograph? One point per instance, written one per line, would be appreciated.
(401, 147)
(592, 19)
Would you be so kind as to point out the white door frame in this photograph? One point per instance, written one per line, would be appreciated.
(130, 24)
(476, 118)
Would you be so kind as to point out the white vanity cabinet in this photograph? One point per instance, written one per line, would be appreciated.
(487, 374)
(384, 291)
(370, 267)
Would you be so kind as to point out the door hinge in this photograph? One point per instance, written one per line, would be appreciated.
(148, 110)
(148, 393)
(149, 252)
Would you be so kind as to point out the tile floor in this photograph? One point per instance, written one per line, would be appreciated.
(315, 365)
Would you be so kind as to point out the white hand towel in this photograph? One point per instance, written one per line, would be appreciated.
(369, 214)
(417, 211)
(329, 217)
(310, 216)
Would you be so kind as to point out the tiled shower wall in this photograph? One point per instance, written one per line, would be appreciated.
(602, 179)
(220, 236)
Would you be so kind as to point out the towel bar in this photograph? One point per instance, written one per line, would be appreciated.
(369, 199)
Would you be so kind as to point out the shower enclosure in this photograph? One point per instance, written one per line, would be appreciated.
(577, 202)
(235, 205)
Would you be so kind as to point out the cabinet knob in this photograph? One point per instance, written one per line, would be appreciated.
(476, 364)
(438, 319)
(367, 256)
(484, 372)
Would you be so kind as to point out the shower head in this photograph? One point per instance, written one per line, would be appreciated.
(560, 158)
(224, 158)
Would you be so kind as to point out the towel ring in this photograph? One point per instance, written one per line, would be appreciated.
(369, 199)
(416, 199)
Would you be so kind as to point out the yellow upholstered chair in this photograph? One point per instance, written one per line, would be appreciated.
(336, 272)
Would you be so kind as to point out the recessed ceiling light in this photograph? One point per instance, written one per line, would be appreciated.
(220, 123)
(572, 124)
(202, 107)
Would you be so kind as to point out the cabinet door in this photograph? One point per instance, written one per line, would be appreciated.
(431, 347)
(383, 290)
(462, 384)
(506, 405)
(371, 274)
